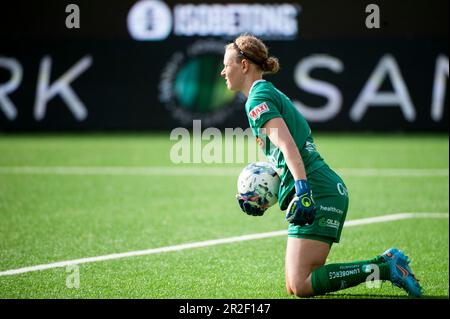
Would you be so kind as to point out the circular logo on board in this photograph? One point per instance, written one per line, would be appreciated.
(191, 87)
(150, 20)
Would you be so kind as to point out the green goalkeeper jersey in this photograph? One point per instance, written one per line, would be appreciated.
(266, 102)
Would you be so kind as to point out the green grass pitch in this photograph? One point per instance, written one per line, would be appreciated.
(49, 217)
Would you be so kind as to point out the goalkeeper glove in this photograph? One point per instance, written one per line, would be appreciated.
(301, 210)
(250, 205)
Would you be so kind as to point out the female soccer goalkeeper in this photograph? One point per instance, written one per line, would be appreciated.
(315, 197)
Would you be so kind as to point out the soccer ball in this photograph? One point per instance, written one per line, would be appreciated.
(259, 183)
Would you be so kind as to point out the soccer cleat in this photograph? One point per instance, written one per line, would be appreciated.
(401, 274)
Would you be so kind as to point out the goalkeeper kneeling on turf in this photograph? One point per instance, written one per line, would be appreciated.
(315, 198)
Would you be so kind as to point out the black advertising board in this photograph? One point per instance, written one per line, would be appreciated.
(154, 65)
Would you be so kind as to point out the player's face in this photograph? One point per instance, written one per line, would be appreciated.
(232, 71)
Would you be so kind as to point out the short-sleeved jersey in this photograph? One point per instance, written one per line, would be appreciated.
(266, 102)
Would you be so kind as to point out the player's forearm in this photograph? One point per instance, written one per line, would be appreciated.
(294, 160)
(280, 136)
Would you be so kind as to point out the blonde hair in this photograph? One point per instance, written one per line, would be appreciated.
(253, 49)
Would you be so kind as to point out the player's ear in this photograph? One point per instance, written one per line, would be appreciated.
(245, 65)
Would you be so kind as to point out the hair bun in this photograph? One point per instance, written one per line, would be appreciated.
(271, 65)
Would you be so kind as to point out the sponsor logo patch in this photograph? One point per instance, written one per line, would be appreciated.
(331, 209)
(324, 222)
(256, 112)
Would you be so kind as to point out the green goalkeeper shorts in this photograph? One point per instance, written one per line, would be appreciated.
(330, 196)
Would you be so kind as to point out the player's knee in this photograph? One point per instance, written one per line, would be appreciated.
(301, 293)
(289, 290)
(300, 289)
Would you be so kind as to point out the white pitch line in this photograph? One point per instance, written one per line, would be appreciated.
(393, 172)
(118, 170)
(207, 243)
(204, 171)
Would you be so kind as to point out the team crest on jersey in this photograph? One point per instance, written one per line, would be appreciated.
(258, 110)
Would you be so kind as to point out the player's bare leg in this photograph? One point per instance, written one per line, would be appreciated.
(303, 256)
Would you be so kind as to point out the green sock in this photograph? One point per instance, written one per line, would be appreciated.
(335, 277)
